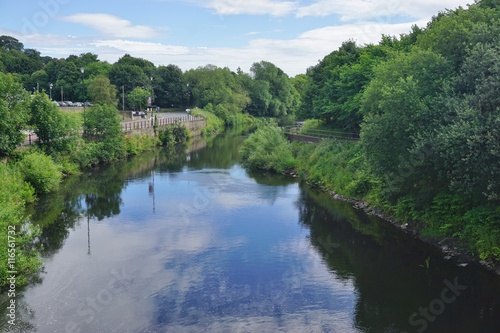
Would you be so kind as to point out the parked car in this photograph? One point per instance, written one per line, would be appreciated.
(69, 103)
(62, 104)
(77, 104)
(88, 104)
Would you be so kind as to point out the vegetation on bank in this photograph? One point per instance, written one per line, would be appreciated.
(426, 106)
(342, 167)
(62, 150)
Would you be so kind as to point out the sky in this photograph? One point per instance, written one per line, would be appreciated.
(292, 34)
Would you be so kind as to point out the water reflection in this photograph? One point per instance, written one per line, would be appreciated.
(216, 249)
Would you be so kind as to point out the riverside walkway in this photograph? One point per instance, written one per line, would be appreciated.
(297, 133)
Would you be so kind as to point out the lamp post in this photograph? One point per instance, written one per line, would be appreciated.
(83, 91)
(50, 90)
(151, 94)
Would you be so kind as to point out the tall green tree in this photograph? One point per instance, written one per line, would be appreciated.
(101, 91)
(468, 146)
(138, 98)
(102, 128)
(47, 120)
(401, 115)
(280, 88)
(169, 86)
(14, 104)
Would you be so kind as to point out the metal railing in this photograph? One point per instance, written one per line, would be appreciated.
(321, 133)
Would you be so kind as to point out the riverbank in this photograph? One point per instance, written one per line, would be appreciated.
(37, 170)
(463, 231)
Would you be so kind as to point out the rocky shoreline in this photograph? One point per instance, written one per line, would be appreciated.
(451, 248)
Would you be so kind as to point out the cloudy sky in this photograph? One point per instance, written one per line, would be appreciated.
(292, 34)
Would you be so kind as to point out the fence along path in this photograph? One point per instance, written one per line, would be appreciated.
(31, 137)
(147, 123)
(320, 134)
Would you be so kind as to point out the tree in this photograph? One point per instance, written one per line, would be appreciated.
(401, 114)
(216, 86)
(11, 43)
(138, 98)
(169, 86)
(280, 88)
(468, 146)
(453, 32)
(101, 91)
(103, 128)
(14, 102)
(49, 124)
(145, 65)
(128, 77)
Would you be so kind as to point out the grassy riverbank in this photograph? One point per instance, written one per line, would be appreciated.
(342, 168)
(39, 169)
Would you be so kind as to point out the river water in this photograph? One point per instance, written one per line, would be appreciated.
(192, 242)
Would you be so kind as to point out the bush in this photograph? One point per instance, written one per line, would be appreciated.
(174, 134)
(268, 149)
(214, 123)
(14, 193)
(137, 144)
(40, 171)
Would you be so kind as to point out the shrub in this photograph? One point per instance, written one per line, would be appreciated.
(214, 123)
(40, 171)
(174, 134)
(139, 143)
(268, 149)
(14, 193)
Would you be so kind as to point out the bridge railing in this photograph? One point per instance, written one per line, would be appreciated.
(322, 133)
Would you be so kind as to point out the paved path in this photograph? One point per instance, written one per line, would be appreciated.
(138, 122)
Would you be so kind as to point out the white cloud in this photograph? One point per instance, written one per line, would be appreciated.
(141, 47)
(253, 7)
(293, 56)
(112, 26)
(356, 10)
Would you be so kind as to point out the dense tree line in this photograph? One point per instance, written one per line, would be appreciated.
(426, 105)
(266, 91)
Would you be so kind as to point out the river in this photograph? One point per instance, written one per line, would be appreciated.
(192, 242)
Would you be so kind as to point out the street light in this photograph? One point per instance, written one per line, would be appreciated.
(151, 93)
(50, 90)
(83, 92)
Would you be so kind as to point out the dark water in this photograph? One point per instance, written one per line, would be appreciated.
(191, 242)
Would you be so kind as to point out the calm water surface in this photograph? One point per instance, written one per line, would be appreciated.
(192, 242)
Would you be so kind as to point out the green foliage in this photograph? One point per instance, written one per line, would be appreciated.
(169, 86)
(137, 144)
(138, 98)
(483, 231)
(102, 126)
(271, 91)
(335, 86)
(174, 134)
(214, 123)
(268, 149)
(47, 120)
(217, 86)
(14, 193)
(14, 103)
(336, 166)
(40, 171)
(401, 112)
(101, 91)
